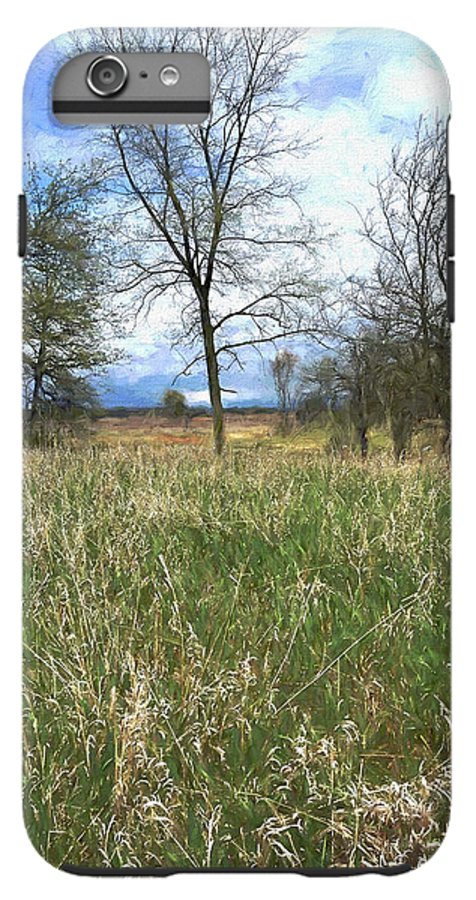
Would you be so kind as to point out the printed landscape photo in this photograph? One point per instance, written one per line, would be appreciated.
(237, 462)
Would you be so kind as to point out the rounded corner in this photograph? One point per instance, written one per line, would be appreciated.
(445, 826)
(32, 841)
(422, 44)
(44, 50)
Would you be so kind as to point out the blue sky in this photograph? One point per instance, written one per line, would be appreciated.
(363, 90)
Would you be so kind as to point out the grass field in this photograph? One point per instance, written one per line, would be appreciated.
(238, 662)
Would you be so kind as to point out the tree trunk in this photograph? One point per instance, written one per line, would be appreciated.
(401, 428)
(446, 439)
(35, 398)
(213, 377)
(37, 384)
(364, 442)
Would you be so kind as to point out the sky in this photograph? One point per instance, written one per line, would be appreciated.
(362, 91)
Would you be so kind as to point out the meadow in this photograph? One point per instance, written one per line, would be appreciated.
(238, 661)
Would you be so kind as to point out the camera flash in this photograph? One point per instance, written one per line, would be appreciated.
(169, 76)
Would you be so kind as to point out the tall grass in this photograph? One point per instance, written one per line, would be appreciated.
(236, 663)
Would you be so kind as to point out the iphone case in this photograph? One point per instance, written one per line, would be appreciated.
(237, 437)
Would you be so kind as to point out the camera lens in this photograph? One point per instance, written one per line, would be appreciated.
(106, 75)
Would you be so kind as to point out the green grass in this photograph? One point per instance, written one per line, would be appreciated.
(235, 663)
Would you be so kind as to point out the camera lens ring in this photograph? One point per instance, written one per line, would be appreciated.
(104, 90)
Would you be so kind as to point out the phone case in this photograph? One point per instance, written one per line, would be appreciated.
(237, 436)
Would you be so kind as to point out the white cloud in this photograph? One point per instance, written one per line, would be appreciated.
(407, 88)
(197, 396)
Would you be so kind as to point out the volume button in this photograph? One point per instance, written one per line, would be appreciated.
(22, 221)
(450, 228)
(450, 290)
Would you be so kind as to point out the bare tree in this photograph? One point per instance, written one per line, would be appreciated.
(283, 368)
(348, 381)
(405, 295)
(215, 198)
